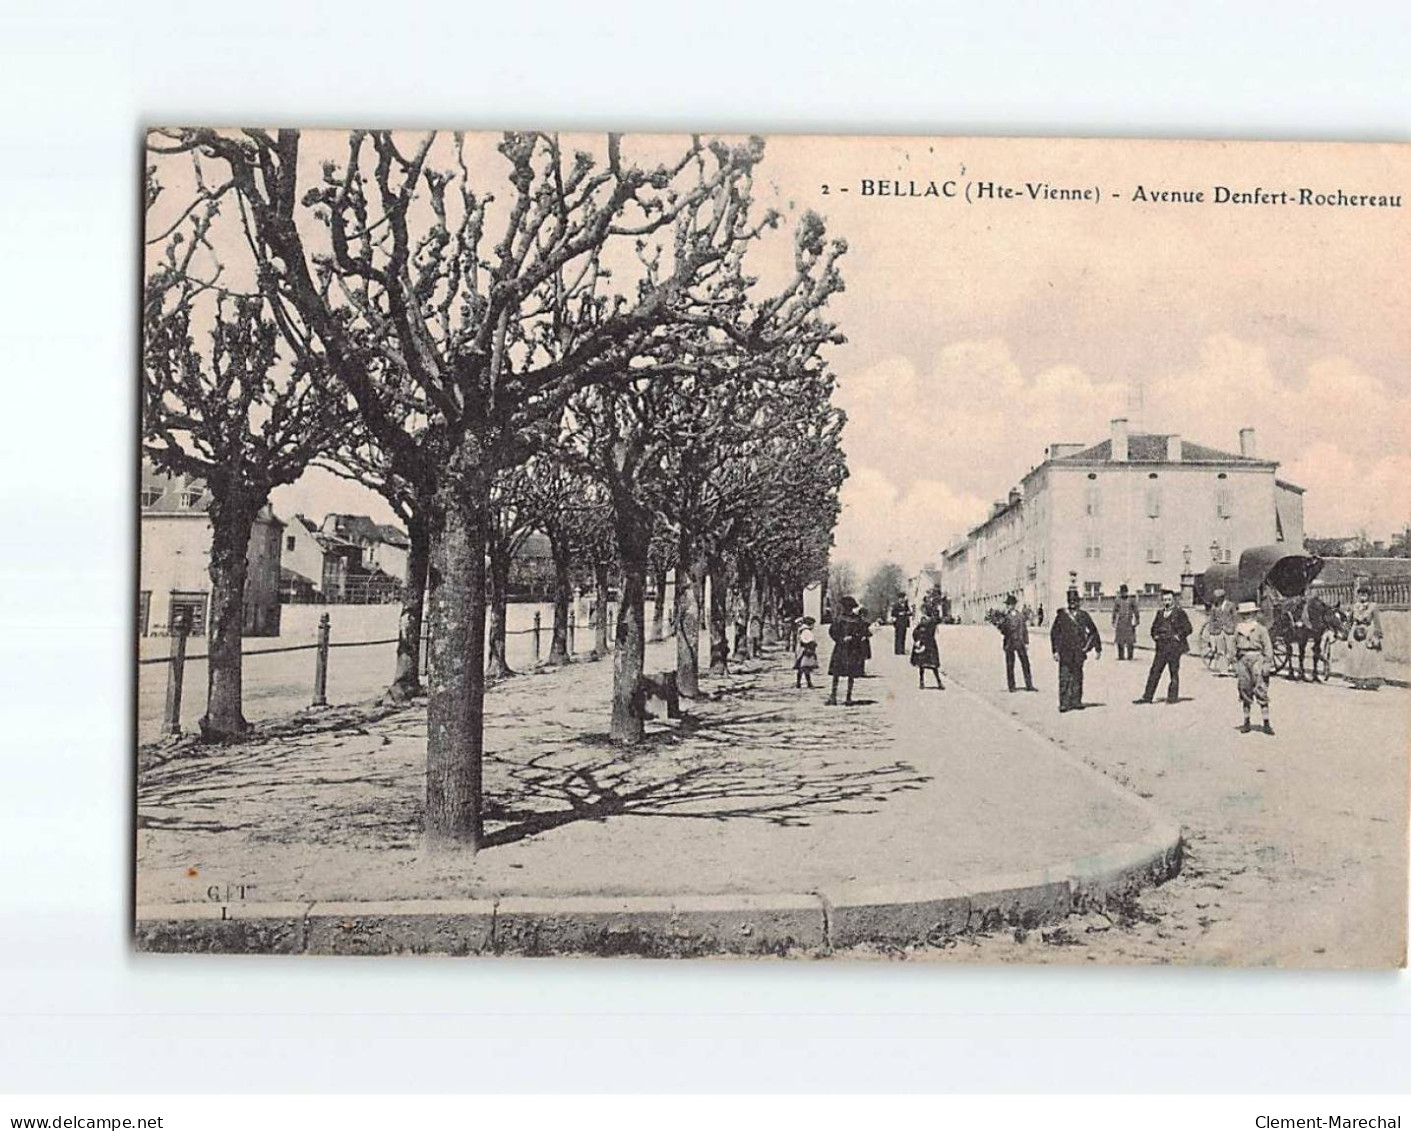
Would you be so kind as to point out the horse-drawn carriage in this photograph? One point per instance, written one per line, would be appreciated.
(1279, 582)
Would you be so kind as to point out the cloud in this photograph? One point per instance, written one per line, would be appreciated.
(932, 445)
(881, 522)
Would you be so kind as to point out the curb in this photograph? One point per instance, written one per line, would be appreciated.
(665, 926)
(842, 915)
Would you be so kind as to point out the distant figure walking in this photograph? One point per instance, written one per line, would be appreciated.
(1224, 619)
(1254, 660)
(925, 655)
(1014, 628)
(806, 662)
(901, 622)
(1364, 642)
(1170, 631)
(1041, 615)
(1073, 636)
(1125, 618)
(849, 635)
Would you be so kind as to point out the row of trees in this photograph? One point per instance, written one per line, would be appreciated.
(574, 342)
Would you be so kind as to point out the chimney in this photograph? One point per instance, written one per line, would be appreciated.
(995, 508)
(1013, 495)
(1247, 443)
(1119, 440)
(1173, 449)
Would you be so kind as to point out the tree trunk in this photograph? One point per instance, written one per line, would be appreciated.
(658, 606)
(563, 597)
(628, 700)
(719, 624)
(455, 707)
(688, 622)
(742, 612)
(600, 610)
(771, 613)
(231, 523)
(406, 682)
(497, 666)
(756, 622)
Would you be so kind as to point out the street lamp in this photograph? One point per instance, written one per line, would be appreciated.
(1186, 556)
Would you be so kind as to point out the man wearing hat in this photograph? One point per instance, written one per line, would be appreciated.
(901, 622)
(1125, 618)
(1014, 628)
(1170, 629)
(1073, 636)
(1223, 620)
(1254, 659)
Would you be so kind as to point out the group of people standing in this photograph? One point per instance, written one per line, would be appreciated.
(1074, 637)
(1241, 644)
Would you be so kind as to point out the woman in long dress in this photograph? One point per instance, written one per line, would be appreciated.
(1364, 642)
(925, 655)
(849, 635)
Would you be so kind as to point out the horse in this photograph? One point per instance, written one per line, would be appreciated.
(1302, 619)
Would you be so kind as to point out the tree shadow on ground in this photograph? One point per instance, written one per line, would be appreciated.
(760, 750)
(756, 752)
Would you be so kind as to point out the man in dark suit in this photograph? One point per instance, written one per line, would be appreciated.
(901, 621)
(1170, 629)
(1014, 627)
(1073, 636)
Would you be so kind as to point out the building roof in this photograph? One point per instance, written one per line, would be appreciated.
(1150, 447)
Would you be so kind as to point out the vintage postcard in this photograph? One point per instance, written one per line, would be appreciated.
(965, 550)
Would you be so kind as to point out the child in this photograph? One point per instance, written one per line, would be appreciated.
(807, 660)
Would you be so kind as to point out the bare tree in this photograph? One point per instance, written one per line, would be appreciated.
(410, 273)
(220, 403)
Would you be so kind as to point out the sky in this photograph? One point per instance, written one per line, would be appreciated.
(980, 332)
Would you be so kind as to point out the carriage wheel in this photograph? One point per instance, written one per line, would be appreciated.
(1282, 654)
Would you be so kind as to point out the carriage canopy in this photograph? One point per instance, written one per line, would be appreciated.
(1261, 568)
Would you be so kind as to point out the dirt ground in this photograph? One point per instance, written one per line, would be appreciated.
(1295, 851)
(761, 788)
(1296, 844)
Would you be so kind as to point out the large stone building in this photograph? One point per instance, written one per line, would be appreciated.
(174, 559)
(1137, 509)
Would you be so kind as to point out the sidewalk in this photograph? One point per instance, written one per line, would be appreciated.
(764, 821)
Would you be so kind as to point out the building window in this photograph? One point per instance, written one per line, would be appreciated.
(1092, 505)
(191, 497)
(289, 543)
(1092, 589)
(151, 496)
(144, 611)
(1151, 589)
(1153, 546)
(1223, 509)
(1153, 502)
(1092, 549)
(191, 606)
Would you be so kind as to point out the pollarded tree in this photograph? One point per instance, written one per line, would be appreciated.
(220, 403)
(361, 458)
(404, 265)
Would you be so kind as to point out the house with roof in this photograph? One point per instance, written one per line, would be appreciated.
(174, 557)
(384, 547)
(1140, 509)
